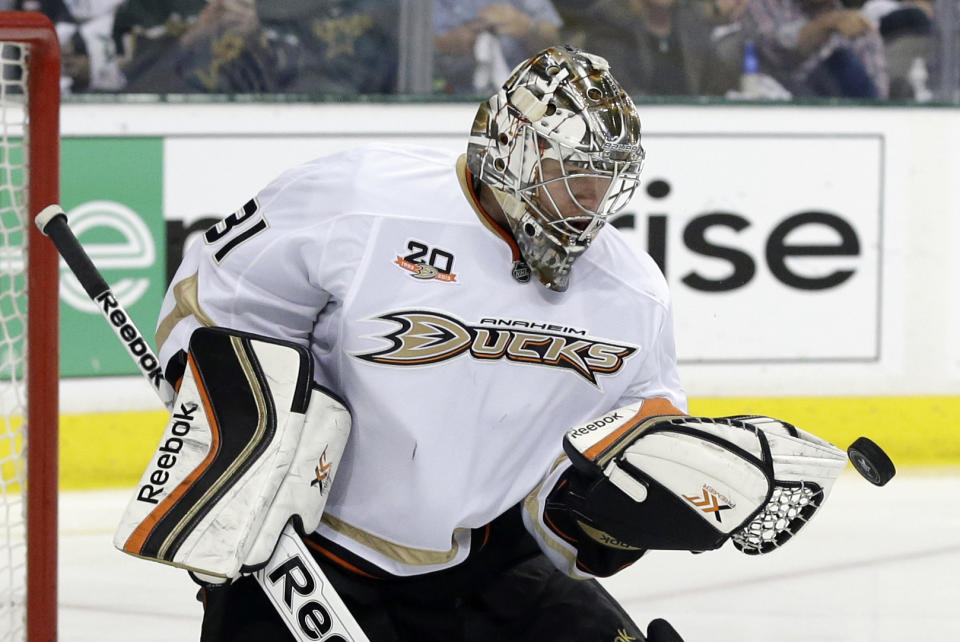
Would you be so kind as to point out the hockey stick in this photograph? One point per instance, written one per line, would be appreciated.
(53, 222)
(292, 580)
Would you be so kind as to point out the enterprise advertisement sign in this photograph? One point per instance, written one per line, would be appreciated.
(771, 244)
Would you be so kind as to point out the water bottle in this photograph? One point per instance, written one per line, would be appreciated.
(750, 76)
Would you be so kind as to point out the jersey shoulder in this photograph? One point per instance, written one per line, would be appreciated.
(378, 179)
(613, 255)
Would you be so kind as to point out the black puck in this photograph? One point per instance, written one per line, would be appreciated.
(871, 462)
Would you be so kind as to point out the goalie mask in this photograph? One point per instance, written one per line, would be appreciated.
(559, 145)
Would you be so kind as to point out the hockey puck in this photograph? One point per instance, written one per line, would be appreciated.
(871, 462)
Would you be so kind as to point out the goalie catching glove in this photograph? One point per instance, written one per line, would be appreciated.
(641, 482)
(251, 443)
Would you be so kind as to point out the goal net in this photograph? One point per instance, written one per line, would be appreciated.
(29, 180)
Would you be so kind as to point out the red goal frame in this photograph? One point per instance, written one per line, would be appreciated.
(43, 176)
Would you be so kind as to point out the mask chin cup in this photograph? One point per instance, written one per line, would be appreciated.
(547, 257)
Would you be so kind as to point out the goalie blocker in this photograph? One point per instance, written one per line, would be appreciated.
(637, 481)
(252, 442)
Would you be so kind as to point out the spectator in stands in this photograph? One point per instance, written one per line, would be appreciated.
(343, 46)
(909, 43)
(655, 47)
(899, 17)
(478, 42)
(819, 47)
(246, 46)
(88, 58)
(726, 32)
(736, 54)
(187, 46)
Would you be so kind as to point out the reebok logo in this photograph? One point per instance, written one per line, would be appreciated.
(136, 346)
(597, 424)
(312, 617)
(303, 596)
(169, 450)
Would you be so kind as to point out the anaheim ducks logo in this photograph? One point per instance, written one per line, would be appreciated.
(429, 337)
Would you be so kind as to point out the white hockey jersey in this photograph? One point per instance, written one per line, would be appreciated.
(461, 380)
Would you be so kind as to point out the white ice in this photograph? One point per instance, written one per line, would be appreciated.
(875, 565)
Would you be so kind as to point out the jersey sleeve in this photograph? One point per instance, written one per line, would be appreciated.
(269, 268)
(659, 377)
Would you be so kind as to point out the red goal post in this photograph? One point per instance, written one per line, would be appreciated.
(29, 366)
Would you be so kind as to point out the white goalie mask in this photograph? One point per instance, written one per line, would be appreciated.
(559, 145)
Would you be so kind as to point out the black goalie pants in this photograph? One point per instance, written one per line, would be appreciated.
(508, 591)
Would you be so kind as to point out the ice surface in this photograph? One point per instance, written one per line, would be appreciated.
(875, 565)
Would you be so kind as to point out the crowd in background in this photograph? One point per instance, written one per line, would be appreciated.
(753, 49)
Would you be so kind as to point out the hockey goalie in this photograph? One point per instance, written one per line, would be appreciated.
(517, 426)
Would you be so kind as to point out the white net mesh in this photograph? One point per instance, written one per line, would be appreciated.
(790, 507)
(13, 328)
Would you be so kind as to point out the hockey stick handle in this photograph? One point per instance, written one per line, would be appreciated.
(52, 221)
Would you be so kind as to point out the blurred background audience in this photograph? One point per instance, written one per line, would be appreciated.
(257, 46)
(657, 47)
(909, 42)
(477, 43)
(88, 57)
(753, 49)
(818, 47)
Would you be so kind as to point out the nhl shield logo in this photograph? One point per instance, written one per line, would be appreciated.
(521, 271)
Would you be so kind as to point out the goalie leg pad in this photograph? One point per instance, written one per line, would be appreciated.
(207, 500)
(304, 490)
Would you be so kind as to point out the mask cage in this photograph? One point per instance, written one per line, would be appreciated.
(592, 186)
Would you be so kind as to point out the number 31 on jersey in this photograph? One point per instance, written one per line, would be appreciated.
(224, 227)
